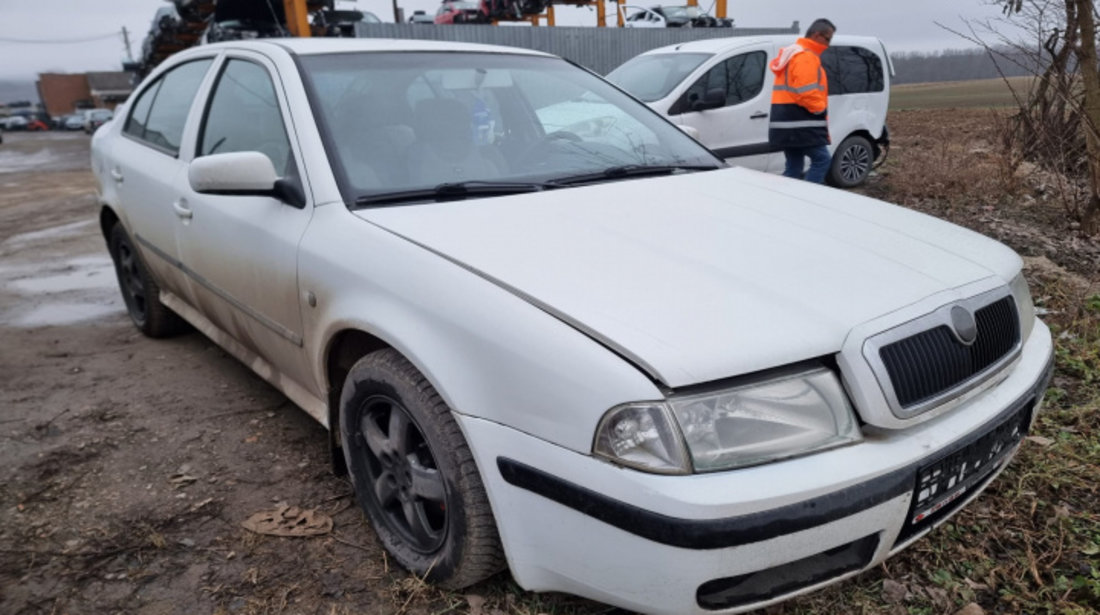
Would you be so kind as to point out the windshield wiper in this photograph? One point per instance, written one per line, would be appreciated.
(630, 170)
(453, 192)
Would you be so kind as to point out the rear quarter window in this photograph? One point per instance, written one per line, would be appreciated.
(852, 70)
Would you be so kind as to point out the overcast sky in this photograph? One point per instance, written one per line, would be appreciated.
(52, 35)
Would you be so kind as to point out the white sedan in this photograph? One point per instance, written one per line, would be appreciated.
(548, 330)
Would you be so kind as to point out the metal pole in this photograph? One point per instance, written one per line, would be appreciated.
(297, 17)
(126, 39)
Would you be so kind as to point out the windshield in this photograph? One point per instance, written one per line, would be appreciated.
(652, 77)
(414, 121)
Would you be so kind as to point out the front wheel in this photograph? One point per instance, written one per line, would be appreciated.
(414, 475)
(851, 162)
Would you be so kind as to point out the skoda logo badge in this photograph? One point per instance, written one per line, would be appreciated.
(966, 329)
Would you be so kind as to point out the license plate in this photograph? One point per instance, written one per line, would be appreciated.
(945, 481)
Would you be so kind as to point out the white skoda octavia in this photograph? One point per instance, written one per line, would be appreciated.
(549, 331)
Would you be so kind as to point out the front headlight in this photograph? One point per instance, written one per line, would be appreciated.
(1024, 306)
(642, 436)
(765, 421)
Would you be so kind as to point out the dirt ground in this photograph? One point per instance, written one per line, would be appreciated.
(127, 465)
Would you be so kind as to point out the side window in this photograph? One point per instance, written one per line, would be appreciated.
(169, 103)
(746, 76)
(135, 124)
(852, 70)
(716, 78)
(740, 77)
(243, 116)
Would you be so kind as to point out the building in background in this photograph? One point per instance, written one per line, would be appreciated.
(64, 93)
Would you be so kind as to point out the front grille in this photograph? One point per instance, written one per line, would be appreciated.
(932, 362)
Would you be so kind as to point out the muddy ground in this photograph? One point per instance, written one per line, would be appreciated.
(127, 465)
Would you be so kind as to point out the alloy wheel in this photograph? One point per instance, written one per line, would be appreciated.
(405, 481)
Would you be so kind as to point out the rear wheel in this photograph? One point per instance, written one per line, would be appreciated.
(414, 475)
(851, 162)
(139, 290)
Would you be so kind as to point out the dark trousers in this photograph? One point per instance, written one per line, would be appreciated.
(819, 163)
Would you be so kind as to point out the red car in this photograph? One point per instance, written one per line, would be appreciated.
(37, 124)
(459, 11)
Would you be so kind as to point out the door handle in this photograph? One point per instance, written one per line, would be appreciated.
(758, 115)
(182, 210)
(116, 175)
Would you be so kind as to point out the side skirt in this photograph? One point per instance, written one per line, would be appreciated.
(313, 406)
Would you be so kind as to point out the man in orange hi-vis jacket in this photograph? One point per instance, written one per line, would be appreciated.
(800, 102)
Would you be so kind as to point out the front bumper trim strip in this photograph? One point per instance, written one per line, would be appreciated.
(709, 533)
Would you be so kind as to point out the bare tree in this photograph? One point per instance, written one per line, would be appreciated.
(1059, 121)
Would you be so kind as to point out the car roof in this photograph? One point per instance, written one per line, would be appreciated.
(719, 45)
(316, 46)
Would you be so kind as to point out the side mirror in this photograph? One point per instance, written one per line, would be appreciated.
(241, 174)
(713, 99)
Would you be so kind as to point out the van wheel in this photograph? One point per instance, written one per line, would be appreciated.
(851, 162)
(139, 289)
(414, 474)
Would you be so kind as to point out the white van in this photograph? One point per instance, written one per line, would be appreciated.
(722, 88)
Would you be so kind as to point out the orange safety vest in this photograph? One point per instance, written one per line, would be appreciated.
(800, 98)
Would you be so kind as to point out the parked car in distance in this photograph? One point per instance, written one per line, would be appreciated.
(421, 17)
(36, 125)
(459, 11)
(73, 121)
(548, 330)
(94, 118)
(14, 122)
(723, 87)
(671, 17)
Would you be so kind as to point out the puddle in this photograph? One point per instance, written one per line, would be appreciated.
(94, 273)
(56, 232)
(37, 291)
(59, 313)
(14, 162)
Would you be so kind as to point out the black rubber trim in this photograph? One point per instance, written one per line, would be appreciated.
(746, 150)
(753, 527)
(709, 533)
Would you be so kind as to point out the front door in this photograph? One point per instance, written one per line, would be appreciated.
(738, 130)
(241, 252)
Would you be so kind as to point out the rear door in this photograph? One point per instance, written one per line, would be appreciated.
(144, 166)
(738, 130)
(858, 90)
(241, 252)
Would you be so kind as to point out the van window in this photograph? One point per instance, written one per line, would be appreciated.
(652, 77)
(741, 77)
(852, 70)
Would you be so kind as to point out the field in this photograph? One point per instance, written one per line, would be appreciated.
(959, 94)
(129, 464)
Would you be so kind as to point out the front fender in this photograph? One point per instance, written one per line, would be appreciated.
(489, 353)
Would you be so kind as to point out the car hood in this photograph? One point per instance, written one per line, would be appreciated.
(704, 276)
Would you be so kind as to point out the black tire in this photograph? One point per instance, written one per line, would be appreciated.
(414, 475)
(852, 162)
(140, 290)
